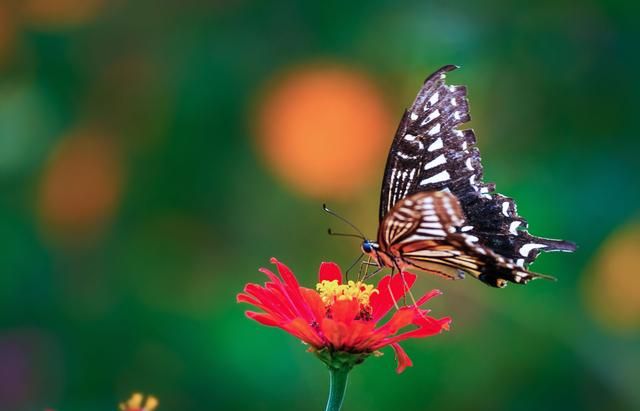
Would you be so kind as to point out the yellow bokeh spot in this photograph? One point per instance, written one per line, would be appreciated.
(331, 291)
(135, 403)
(324, 130)
(612, 284)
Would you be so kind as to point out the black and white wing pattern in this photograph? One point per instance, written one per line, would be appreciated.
(430, 153)
(423, 231)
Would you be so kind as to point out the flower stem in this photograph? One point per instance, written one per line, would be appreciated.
(337, 387)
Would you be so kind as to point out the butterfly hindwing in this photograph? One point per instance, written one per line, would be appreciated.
(421, 217)
(432, 240)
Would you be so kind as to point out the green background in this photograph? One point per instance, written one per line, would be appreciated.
(144, 300)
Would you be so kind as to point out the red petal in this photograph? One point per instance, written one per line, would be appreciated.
(377, 300)
(303, 330)
(286, 274)
(264, 319)
(335, 332)
(403, 359)
(401, 318)
(272, 300)
(359, 332)
(427, 327)
(293, 291)
(329, 272)
(428, 296)
(244, 298)
(315, 303)
(345, 311)
(380, 336)
(382, 302)
(274, 278)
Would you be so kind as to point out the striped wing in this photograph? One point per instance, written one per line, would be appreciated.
(427, 231)
(430, 153)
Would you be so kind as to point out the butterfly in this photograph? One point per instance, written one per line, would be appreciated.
(436, 213)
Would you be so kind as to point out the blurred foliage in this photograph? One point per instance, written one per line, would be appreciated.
(149, 164)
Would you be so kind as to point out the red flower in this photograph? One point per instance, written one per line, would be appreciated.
(342, 323)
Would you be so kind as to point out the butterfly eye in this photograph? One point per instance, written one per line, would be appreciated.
(367, 247)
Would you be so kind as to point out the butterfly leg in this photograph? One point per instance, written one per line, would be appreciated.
(373, 273)
(408, 291)
(362, 277)
(393, 297)
(352, 265)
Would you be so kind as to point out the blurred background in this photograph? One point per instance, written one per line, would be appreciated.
(153, 155)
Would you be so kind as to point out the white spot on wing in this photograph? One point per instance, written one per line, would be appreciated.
(526, 249)
(406, 156)
(434, 99)
(434, 130)
(409, 137)
(514, 226)
(436, 145)
(435, 162)
(433, 115)
(441, 176)
(466, 228)
(453, 102)
(505, 208)
(472, 181)
(414, 116)
(468, 164)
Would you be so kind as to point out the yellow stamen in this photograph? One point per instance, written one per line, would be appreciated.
(331, 291)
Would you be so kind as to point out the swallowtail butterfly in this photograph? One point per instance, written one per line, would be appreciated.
(436, 213)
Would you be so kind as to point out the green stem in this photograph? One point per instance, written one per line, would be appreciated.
(337, 387)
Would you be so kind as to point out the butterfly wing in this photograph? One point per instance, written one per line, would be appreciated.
(424, 231)
(430, 153)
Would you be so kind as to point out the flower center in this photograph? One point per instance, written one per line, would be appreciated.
(331, 291)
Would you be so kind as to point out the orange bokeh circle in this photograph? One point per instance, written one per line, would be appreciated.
(7, 32)
(612, 285)
(60, 13)
(81, 185)
(324, 130)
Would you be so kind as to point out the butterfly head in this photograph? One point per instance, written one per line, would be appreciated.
(369, 247)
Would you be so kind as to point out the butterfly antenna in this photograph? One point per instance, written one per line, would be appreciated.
(331, 232)
(333, 213)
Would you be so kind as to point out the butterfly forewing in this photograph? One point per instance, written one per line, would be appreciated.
(428, 152)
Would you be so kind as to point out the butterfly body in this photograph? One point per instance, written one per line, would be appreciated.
(436, 213)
